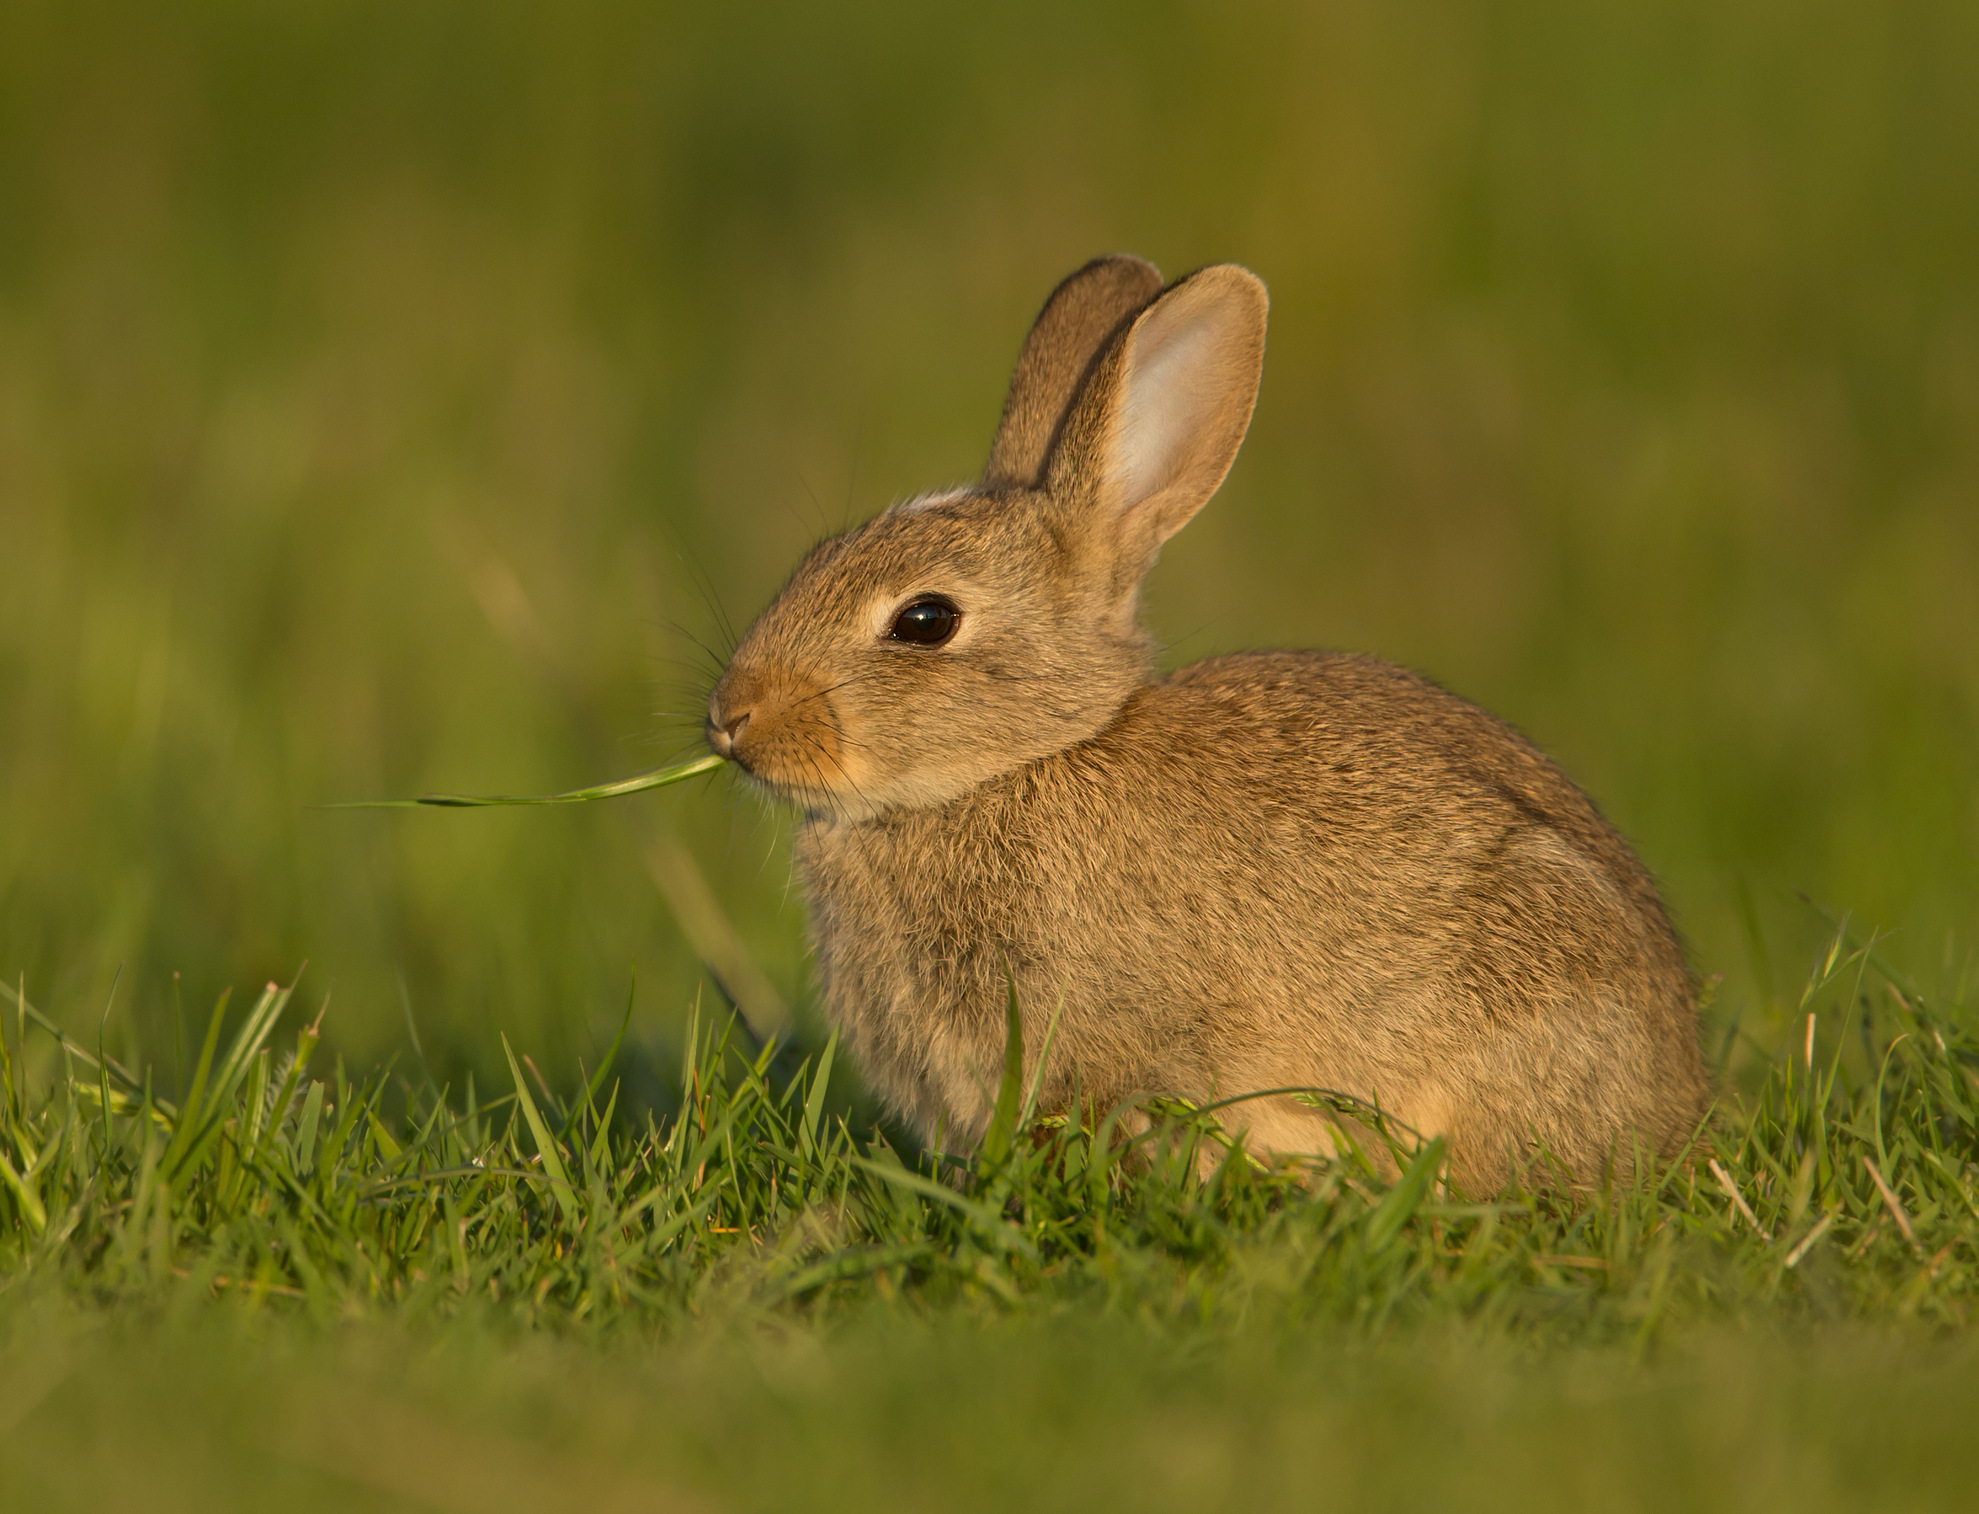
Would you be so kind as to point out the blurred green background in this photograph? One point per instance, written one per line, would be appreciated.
(390, 393)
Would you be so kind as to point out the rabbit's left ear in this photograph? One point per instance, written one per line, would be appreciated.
(1084, 311)
(1165, 409)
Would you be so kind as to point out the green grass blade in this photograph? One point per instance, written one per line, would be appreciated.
(199, 1131)
(1002, 1132)
(546, 1146)
(1393, 1212)
(1030, 1106)
(30, 1203)
(601, 1143)
(658, 778)
(814, 1104)
(10, 1101)
(187, 1125)
(305, 1138)
(250, 1038)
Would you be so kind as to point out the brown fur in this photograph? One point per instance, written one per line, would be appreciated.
(1268, 870)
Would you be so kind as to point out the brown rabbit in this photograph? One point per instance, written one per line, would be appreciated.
(1268, 870)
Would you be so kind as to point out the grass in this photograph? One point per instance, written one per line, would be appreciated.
(1842, 1183)
(360, 1231)
(678, 772)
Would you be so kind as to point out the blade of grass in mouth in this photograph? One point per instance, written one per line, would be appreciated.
(657, 779)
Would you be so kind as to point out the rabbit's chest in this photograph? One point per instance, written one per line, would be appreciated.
(925, 911)
(914, 938)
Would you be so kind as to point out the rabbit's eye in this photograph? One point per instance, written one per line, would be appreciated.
(926, 622)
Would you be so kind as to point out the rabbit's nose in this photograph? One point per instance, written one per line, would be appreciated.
(723, 737)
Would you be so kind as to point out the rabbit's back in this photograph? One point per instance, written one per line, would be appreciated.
(1273, 870)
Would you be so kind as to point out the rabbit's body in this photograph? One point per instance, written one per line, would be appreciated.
(1415, 907)
(1267, 871)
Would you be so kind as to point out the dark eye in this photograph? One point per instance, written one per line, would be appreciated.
(926, 622)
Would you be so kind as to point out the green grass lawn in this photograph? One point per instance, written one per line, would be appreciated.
(306, 1288)
(403, 399)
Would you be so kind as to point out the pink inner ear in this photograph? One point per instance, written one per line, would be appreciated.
(1169, 393)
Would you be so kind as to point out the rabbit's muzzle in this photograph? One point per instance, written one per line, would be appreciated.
(781, 729)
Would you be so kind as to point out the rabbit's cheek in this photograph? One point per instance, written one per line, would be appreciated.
(797, 749)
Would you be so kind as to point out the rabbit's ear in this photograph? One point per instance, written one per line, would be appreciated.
(1160, 420)
(1068, 334)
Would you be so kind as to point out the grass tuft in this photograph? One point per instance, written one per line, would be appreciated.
(1840, 1184)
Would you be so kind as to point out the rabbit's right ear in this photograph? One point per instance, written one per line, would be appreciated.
(1162, 414)
(1082, 313)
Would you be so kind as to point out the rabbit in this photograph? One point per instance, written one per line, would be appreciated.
(1267, 871)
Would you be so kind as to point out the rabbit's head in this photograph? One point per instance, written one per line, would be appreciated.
(960, 635)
